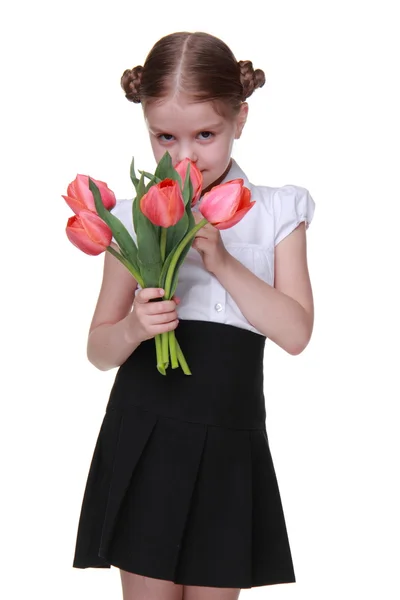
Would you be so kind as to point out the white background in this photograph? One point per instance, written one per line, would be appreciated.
(327, 119)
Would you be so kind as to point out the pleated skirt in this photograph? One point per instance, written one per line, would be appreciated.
(181, 484)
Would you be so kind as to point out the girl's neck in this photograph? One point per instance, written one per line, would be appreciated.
(217, 181)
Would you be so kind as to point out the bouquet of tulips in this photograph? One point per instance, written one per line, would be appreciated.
(164, 225)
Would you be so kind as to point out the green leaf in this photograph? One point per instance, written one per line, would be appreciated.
(134, 179)
(121, 234)
(164, 167)
(176, 233)
(189, 213)
(154, 181)
(148, 236)
(126, 264)
(141, 188)
(148, 241)
(150, 176)
(176, 177)
(191, 224)
(165, 267)
(165, 170)
(187, 188)
(140, 191)
(150, 273)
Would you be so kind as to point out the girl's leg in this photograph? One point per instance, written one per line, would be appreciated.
(139, 587)
(194, 592)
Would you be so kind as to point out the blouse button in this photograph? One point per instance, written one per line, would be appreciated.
(218, 307)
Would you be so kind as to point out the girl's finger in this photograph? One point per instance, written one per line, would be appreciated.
(147, 294)
(199, 244)
(197, 216)
(153, 320)
(162, 307)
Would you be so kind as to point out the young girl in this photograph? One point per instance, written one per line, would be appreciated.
(181, 494)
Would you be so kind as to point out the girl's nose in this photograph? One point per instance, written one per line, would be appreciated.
(187, 152)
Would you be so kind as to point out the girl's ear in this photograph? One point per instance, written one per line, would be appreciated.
(241, 119)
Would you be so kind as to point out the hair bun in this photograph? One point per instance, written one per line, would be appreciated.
(250, 78)
(130, 83)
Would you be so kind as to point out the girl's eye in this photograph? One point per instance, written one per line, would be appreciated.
(167, 136)
(206, 135)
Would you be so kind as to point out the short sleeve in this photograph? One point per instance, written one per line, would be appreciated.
(123, 211)
(292, 205)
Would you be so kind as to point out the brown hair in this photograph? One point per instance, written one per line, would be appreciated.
(198, 65)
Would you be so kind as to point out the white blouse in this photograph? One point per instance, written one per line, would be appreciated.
(276, 213)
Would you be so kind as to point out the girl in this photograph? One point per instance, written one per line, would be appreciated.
(181, 494)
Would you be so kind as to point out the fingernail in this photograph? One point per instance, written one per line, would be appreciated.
(161, 292)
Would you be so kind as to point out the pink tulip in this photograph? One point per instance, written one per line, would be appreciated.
(196, 177)
(79, 197)
(163, 204)
(226, 204)
(88, 232)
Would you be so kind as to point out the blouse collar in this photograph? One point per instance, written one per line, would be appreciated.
(235, 172)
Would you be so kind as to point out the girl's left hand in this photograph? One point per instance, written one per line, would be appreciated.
(208, 242)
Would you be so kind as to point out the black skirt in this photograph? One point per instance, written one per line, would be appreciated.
(181, 485)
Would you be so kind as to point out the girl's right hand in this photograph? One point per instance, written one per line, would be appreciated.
(151, 318)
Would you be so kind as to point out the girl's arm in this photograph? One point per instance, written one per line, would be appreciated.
(284, 313)
(112, 334)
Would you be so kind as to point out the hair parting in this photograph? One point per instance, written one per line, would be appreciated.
(198, 65)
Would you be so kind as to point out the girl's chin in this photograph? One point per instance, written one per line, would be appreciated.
(206, 179)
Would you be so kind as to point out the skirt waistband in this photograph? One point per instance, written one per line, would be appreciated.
(225, 388)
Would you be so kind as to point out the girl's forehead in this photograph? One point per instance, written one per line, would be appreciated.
(182, 114)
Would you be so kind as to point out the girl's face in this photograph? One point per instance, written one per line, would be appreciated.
(195, 131)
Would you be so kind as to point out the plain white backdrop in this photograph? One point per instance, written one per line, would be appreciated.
(326, 119)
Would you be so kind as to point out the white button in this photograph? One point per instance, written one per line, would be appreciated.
(218, 307)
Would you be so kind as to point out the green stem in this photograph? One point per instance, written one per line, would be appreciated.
(160, 363)
(181, 359)
(170, 273)
(172, 349)
(127, 264)
(164, 346)
(163, 243)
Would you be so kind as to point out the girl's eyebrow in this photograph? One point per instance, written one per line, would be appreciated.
(214, 126)
(156, 129)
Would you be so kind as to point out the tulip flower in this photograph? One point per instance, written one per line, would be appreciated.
(196, 177)
(79, 197)
(226, 204)
(88, 232)
(163, 204)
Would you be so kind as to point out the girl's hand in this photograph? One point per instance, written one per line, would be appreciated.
(208, 242)
(151, 318)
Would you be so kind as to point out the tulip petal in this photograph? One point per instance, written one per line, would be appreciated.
(245, 198)
(88, 232)
(222, 201)
(95, 228)
(77, 236)
(235, 219)
(107, 195)
(163, 203)
(181, 168)
(152, 205)
(225, 208)
(75, 204)
(79, 190)
(196, 177)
